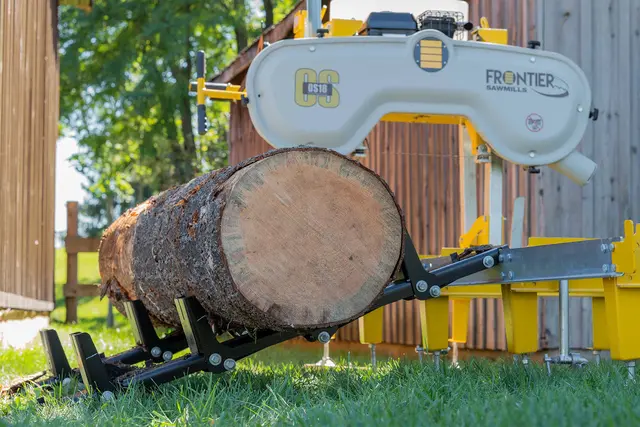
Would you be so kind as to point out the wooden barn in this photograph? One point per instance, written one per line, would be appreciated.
(29, 91)
(421, 162)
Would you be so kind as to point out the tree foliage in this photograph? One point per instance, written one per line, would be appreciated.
(124, 69)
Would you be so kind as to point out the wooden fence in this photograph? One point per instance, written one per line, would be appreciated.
(74, 245)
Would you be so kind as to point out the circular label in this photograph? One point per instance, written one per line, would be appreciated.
(534, 122)
(431, 54)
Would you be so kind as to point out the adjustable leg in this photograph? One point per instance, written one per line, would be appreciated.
(599, 322)
(370, 328)
(434, 322)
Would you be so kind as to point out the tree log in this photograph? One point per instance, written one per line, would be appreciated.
(297, 238)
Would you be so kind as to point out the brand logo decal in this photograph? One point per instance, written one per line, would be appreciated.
(313, 88)
(544, 84)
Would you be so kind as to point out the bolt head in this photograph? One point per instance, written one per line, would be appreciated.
(488, 261)
(605, 268)
(215, 359)
(229, 364)
(580, 109)
(501, 258)
(435, 291)
(612, 247)
(604, 248)
(422, 286)
(167, 355)
(532, 59)
(324, 337)
(156, 352)
(532, 154)
(511, 275)
(312, 49)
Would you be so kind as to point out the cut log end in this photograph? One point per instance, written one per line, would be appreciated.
(296, 238)
(310, 238)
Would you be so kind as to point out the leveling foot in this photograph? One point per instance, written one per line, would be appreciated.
(572, 359)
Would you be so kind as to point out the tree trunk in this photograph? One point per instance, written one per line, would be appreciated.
(295, 238)
(268, 13)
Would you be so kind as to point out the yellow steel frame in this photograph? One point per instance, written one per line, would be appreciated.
(615, 301)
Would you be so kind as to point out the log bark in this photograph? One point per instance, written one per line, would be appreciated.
(296, 238)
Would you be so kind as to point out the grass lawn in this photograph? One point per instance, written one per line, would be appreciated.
(274, 388)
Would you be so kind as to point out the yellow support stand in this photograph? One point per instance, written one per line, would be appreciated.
(622, 297)
(599, 321)
(370, 327)
(460, 320)
(434, 322)
(520, 320)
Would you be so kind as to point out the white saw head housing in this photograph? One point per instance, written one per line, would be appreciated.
(530, 106)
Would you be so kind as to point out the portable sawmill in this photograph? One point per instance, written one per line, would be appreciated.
(323, 92)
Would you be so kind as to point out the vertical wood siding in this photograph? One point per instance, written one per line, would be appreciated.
(28, 131)
(603, 38)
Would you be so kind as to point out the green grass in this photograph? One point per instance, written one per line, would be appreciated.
(273, 388)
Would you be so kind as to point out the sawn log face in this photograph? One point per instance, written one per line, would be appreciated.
(291, 239)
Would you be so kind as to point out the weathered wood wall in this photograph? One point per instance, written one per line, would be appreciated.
(28, 132)
(603, 38)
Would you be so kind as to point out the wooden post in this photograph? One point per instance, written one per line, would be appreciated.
(71, 287)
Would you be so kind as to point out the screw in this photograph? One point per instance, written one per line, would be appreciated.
(532, 154)
(215, 359)
(229, 364)
(324, 337)
(167, 355)
(511, 275)
(156, 352)
(488, 261)
(422, 286)
(605, 268)
(434, 291)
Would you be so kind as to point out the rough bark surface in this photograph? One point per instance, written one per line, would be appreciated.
(291, 239)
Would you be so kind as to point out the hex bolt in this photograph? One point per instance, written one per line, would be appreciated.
(612, 247)
(167, 355)
(605, 268)
(156, 352)
(511, 275)
(604, 248)
(501, 258)
(324, 337)
(435, 291)
(488, 261)
(229, 364)
(422, 286)
(503, 275)
(215, 359)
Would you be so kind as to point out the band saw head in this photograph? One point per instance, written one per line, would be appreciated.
(531, 107)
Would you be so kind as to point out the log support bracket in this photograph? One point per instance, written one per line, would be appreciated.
(218, 353)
